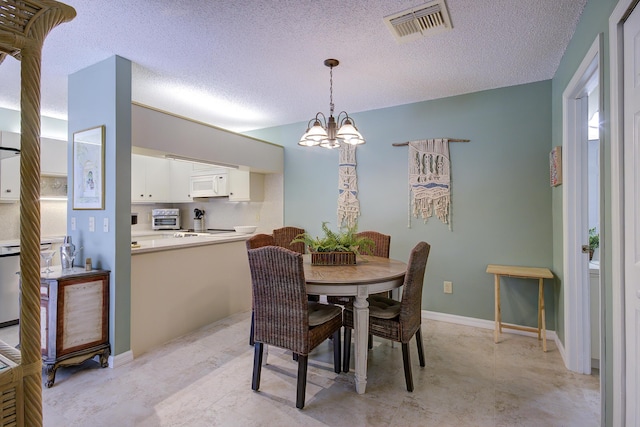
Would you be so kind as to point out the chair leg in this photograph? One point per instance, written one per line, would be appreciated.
(302, 380)
(337, 352)
(251, 342)
(347, 350)
(407, 366)
(257, 366)
(420, 346)
(370, 344)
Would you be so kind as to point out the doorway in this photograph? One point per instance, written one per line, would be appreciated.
(584, 85)
(594, 183)
(624, 27)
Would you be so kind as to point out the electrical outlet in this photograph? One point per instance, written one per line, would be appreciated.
(92, 223)
(73, 223)
(448, 287)
(105, 225)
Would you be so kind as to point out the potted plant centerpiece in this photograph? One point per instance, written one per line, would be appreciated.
(336, 248)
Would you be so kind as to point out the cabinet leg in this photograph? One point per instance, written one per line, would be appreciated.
(104, 358)
(50, 370)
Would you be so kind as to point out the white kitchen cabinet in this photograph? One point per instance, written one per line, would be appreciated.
(10, 169)
(180, 173)
(149, 179)
(245, 186)
(53, 157)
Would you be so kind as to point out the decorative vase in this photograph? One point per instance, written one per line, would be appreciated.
(333, 258)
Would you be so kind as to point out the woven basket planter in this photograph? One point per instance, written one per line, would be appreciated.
(333, 258)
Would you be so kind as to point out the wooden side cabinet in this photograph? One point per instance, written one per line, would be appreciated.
(74, 318)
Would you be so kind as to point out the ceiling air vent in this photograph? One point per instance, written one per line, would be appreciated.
(419, 21)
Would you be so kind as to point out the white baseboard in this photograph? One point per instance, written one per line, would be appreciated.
(561, 350)
(121, 359)
(485, 324)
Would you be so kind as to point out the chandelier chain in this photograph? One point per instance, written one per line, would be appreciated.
(331, 91)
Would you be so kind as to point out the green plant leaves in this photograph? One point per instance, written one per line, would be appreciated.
(345, 240)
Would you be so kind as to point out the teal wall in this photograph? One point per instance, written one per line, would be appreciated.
(101, 95)
(501, 198)
(594, 21)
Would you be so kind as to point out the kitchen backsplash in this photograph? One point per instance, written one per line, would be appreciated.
(53, 186)
(53, 217)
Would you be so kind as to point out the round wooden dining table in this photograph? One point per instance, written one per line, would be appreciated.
(370, 274)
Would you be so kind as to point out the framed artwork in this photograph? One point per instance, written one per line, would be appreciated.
(555, 166)
(88, 168)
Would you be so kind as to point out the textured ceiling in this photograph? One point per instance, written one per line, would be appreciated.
(248, 64)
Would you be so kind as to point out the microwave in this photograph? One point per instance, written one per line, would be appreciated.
(214, 185)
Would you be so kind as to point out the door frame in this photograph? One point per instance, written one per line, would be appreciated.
(577, 331)
(616, 88)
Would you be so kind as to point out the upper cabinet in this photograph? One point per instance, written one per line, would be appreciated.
(53, 157)
(150, 179)
(180, 173)
(10, 169)
(53, 163)
(245, 186)
(161, 180)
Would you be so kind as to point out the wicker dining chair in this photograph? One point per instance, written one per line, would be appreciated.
(254, 242)
(397, 320)
(381, 249)
(260, 240)
(283, 237)
(293, 322)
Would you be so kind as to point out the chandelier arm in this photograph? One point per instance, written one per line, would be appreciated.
(324, 119)
(341, 119)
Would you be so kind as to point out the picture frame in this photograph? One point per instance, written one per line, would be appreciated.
(555, 166)
(88, 168)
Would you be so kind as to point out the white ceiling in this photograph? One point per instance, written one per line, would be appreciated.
(249, 64)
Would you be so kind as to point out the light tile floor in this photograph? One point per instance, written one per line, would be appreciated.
(204, 379)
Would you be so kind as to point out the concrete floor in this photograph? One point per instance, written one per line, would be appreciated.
(204, 379)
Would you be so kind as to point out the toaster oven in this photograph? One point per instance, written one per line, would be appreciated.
(165, 219)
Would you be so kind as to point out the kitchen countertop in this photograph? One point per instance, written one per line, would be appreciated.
(170, 243)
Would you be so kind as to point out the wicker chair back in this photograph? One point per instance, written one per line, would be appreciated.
(279, 298)
(382, 242)
(260, 240)
(283, 237)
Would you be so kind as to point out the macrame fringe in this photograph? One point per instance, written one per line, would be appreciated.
(430, 180)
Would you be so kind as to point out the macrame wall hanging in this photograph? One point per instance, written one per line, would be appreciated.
(430, 178)
(348, 204)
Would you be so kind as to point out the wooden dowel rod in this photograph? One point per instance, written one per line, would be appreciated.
(401, 144)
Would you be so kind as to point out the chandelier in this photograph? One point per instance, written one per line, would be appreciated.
(325, 133)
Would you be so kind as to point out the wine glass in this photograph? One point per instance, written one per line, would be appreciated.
(47, 257)
(72, 256)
